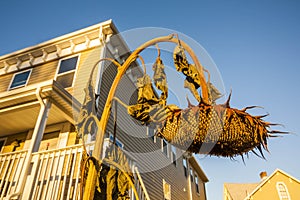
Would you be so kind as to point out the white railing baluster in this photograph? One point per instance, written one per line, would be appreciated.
(51, 191)
(76, 193)
(49, 174)
(66, 175)
(40, 159)
(140, 184)
(56, 195)
(72, 171)
(18, 157)
(43, 177)
(7, 174)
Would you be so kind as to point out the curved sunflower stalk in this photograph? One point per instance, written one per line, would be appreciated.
(87, 118)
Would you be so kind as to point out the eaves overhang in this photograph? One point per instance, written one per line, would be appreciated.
(19, 108)
(56, 48)
(195, 164)
(48, 89)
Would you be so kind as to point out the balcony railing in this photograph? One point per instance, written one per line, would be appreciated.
(11, 165)
(54, 174)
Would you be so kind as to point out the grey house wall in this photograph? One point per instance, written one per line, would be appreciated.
(146, 152)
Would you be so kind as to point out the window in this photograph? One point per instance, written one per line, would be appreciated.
(66, 71)
(118, 143)
(164, 147)
(151, 134)
(167, 190)
(20, 79)
(282, 191)
(2, 143)
(173, 149)
(191, 174)
(49, 141)
(184, 163)
(197, 183)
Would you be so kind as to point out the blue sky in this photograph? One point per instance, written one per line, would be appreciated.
(255, 44)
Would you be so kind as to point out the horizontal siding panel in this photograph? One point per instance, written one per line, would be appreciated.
(5, 81)
(43, 72)
(87, 60)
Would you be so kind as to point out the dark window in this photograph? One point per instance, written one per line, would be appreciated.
(151, 134)
(20, 79)
(66, 71)
(118, 143)
(67, 65)
(197, 184)
(191, 174)
(66, 80)
(165, 147)
(184, 163)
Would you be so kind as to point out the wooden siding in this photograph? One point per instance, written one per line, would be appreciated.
(39, 73)
(47, 71)
(269, 191)
(43, 72)
(87, 60)
(5, 81)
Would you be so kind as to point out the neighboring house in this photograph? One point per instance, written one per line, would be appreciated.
(41, 90)
(279, 185)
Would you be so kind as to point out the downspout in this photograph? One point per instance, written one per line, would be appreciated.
(42, 115)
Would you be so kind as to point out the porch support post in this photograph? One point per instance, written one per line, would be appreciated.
(37, 135)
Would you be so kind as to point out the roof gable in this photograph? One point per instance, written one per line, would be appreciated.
(264, 182)
(239, 191)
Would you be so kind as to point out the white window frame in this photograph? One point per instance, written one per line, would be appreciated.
(3, 139)
(166, 196)
(118, 142)
(196, 177)
(191, 174)
(279, 192)
(64, 73)
(148, 134)
(167, 147)
(185, 167)
(20, 72)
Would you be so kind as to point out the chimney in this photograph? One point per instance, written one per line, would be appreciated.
(263, 175)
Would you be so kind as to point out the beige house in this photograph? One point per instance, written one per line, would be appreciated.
(41, 91)
(279, 185)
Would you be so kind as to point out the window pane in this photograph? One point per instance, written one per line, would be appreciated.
(20, 79)
(66, 80)
(191, 174)
(67, 65)
(184, 163)
(282, 191)
(165, 147)
(197, 184)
